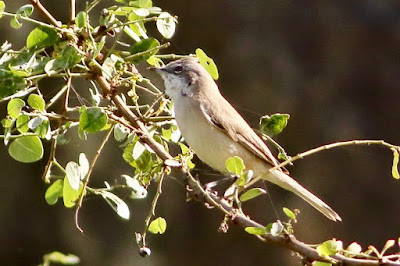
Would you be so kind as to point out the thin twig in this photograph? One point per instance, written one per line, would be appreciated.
(46, 13)
(162, 46)
(72, 11)
(86, 181)
(324, 148)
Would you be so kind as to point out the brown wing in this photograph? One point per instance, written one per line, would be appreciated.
(237, 128)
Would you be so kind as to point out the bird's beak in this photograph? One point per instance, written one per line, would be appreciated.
(156, 69)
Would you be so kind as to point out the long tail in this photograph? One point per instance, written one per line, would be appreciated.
(283, 180)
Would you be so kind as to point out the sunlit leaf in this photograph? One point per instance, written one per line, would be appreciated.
(289, 213)
(83, 165)
(235, 165)
(321, 263)
(252, 193)
(139, 192)
(158, 226)
(120, 132)
(73, 174)
(14, 22)
(14, 107)
(354, 248)
(54, 192)
(207, 63)
(36, 102)
(274, 124)
(276, 228)
(41, 37)
(166, 25)
(26, 149)
(256, 230)
(2, 7)
(327, 248)
(118, 205)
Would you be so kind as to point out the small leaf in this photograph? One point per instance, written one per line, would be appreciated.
(83, 165)
(7, 122)
(41, 37)
(235, 165)
(289, 213)
(276, 228)
(22, 123)
(92, 120)
(321, 263)
(395, 170)
(2, 7)
(54, 192)
(14, 107)
(256, 230)
(139, 192)
(26, 149)
(70, 195)
(73, 174)
(327, 248)
(158, 226)
(146, 48)
(35, 122)
(14, 22)
(274, 124)
(36, 102)
(138, 150)
(120, 132)
(354, 248)
(207, 63)
(81, 19)
(166, 25)
(25, 10)
(252, 193)
(60, 258)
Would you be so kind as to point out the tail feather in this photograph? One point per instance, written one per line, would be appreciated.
(283, 180)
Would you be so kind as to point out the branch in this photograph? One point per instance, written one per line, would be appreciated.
(38, 5)
(287, 241)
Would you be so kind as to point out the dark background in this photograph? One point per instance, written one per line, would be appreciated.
(332, 65)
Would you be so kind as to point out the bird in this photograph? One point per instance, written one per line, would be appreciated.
(213, 128)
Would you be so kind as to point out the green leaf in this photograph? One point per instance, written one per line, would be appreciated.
(36, 102)
(166, 25)
(207, 63)
(235, 165)
(118, 205)
(54, 192)
(138, 150)
(25, 10)
(70, 195)
(143, 47)
(252, 193)
(22, 123)
(2, 7)
(81, 19)
(158, 226)
(289, 213)
(14, 22)
(256, 230)
(7, 122)
(395, 170)
(327, 248)
(120, 132)
(274, 124)
(321, 263)
(92, 120)
(354, 248)
(60, 258)
(41, 37)
(26, 149)
(14, 107)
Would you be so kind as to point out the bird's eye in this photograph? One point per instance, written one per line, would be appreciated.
(178, 69)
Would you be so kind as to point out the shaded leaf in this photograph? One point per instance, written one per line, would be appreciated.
(81, 19)
(143, 47)
(92, 119)
(25, 10)
(26, 149)
(54, 192)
